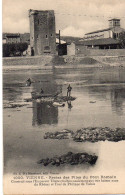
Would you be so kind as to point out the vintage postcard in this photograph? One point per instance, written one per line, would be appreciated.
(63, 96)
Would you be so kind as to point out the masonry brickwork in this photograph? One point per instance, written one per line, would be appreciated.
(42, 31)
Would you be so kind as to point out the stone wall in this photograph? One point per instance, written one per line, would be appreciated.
(63, 60)
(83, 51)
(114, 60)
(35, 60)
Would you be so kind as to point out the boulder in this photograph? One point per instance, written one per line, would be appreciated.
(91, 134)
(70, 158)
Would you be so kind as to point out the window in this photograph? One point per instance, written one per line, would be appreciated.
(47, 48)
(46, 36)
(117, 35)
(114, 35)
(51, 35)
(37, 36)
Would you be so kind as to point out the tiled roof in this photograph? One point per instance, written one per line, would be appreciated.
(106, 41)
(11, 35)
(106, 29)
(114, 19)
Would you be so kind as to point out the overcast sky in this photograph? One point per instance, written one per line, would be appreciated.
(73, 17)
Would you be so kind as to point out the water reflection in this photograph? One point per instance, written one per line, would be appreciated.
(108, 75)
(44, 113)
(12, 93)
(69, 105)
(91, 75)
(117, 100)
(113, 93)
(46, 82)
(107, 111)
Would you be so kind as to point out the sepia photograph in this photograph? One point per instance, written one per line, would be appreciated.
(63, 69)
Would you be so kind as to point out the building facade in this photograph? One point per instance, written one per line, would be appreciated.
(42, 32)
(11, 38)
(112, 32)
(102, 39)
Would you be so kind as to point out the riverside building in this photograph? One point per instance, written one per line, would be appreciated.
(101, 39)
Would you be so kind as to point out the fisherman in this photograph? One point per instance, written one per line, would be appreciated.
(32, 51)
(69, 104)
(28, 82)
(69, 88)
(42, 91)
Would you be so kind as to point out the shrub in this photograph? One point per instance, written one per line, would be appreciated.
(14, 49)
(122, 39)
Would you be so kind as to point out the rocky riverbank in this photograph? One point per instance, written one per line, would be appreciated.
(14, 105)
(51, 99)
(64, 134)
(91, 134)
(70, 158)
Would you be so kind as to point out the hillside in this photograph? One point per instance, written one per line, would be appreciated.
(70, 39)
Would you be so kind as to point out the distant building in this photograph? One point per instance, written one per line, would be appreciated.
(112, 32)
(71, 49)
(102, 39)
(4, 40)
(11, 38)
(42, 31)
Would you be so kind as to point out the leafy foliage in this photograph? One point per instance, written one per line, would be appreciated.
(122, 39)
(14, 49)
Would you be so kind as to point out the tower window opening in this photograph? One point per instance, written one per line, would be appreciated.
(46, 36)
(51, 35)
(117, 35)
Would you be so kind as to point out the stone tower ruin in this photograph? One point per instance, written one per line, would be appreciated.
(42, 32)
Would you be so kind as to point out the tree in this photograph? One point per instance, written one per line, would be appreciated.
(6, 52)
(122, 39)
(11, 49)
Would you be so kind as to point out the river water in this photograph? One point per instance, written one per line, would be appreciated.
(100, 101)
